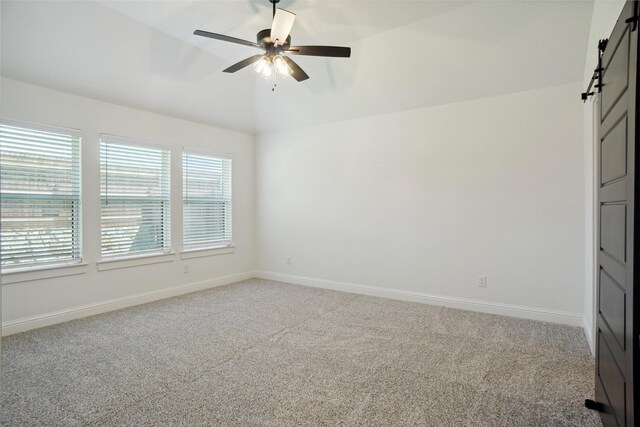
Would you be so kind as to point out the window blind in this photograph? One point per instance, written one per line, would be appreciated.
(135, 199)
(206, 201)
(40, 196)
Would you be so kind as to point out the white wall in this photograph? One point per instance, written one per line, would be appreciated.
(605, 14)
(421, 202)
(38, 302)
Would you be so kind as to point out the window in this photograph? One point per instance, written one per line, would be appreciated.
(135, 198)
(40, 196)
(206, 201)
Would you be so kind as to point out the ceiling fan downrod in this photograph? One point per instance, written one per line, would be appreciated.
(274, 2)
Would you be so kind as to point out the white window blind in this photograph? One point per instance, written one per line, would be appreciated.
(206, 201)
(135, 198)
(40, 196)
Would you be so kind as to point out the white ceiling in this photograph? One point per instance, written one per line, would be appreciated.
(405, 55)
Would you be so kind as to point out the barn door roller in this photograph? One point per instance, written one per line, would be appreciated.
(597, 73)
(634, 19)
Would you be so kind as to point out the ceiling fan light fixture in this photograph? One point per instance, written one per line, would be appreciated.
(281, 66)
(267, 72)
(263, 66)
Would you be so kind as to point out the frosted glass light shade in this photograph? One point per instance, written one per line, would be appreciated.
(281, 65)
(267, 71)
(262, 64)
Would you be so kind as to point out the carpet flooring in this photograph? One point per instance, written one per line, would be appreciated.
(273, 354)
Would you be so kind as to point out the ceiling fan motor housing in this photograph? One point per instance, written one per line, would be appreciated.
(264, 40)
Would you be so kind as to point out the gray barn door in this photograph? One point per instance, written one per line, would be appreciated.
(617, 341)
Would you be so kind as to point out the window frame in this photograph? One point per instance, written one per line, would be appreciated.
(76, 264)
(215, 248)
(140, 257)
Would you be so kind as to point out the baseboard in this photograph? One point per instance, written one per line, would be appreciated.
(47, 319)
(533, 313)
(588, 333)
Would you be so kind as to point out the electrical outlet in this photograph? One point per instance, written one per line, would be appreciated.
(185, 269)
(288, 260)
(481, 281)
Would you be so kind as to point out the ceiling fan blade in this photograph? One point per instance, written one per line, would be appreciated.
(244, 63)
(297, 72)
(225, 38)
(332, 51)
(281, 25)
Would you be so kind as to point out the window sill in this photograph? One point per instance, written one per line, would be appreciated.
(114, 264)
(201, 253)
(40, 273)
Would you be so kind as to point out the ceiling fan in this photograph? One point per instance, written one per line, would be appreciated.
(275, 42)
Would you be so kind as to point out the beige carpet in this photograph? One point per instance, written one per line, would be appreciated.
(267, 353)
